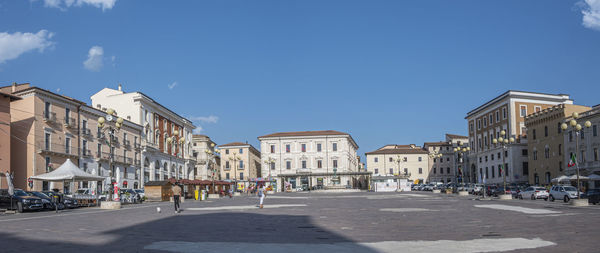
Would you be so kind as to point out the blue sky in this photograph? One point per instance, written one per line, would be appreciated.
(384, 71)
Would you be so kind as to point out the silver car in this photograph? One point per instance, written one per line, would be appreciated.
(564, 192)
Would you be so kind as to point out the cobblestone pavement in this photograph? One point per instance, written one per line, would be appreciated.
(317, 222)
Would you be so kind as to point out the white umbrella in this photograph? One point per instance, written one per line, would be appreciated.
(561, 178)
(574, 177)
(594, 177)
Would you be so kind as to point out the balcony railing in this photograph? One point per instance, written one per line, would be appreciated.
(49, 116)
(57, 149)
(86, 132)
(86, 153)
(70, 122)
(127, 144)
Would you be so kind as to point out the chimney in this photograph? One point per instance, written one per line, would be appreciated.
(120, 87)
(14, 87)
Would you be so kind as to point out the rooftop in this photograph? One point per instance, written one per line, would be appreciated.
(304, 133)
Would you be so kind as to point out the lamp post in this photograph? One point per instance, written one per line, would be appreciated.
(505, 144)
(234, 158)
(268, 162)
(110, 117)
(435, 155)
(578, 128)
(458, 151)
(210, 154)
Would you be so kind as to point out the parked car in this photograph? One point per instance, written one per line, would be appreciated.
(469, 188)
(20, 201)
(428, 187)
(512, 190)
(490, 190)
(47, 202)
(140, 192)
(533, 193)
(593, 196)
(477, 188)
(130, 196)
(66, 201)
(564, 192)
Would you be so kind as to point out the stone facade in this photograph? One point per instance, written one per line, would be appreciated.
(403, 161)
(240, 163)
(312, 159)
(545, 142)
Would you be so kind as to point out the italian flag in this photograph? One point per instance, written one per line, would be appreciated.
(572, 162)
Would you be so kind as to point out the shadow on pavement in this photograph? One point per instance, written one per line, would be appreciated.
(228, 228)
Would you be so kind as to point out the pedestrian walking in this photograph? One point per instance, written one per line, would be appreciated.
(176, 193)
(261, 196)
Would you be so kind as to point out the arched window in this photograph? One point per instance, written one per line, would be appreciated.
(547, 152)
(156, 141)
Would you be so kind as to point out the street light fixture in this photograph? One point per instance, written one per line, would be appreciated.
(211, 156)
(234, 158)
(435, 155)
(578, 128)
(458, 151)
(110, 117)
(505, 145)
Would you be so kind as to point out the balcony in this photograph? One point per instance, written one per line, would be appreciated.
(127, 144)
(57, 150)
(86, 132)
(102, 156)
(50, 117)
(227, 169)
(70, 123)
(137, 146)
(86, 153)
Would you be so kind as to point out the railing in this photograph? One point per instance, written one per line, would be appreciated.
(86, 132)
(86, 153)
(56, 149)
(50, 116)
(70, 122)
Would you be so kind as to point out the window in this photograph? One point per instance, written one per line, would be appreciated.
(304, 164)
(318, 147)
(376, 159)
(241, 164)
(525, 168)
(448, 170)
(441, 170)
(493, 172)
(581, 133)
(227, 151)
(288, 165)
(241, 175)
(405, 171)
(535, 155)
(560, 166)
(545, 131)
(68, 145)
(497, 116)
(547, 152)
(47, 110)
(226, 175)
(504, 113)
(391, 160)
(486, 158)
(533, 132)
(538, 108)
(287, 148)
(594, 131)
(391, 171)
(303, 147)
(241, 151)
(48, 169)
(272, 149)
(447, 159)
(492, 157)
(523, 111)
(487, 175)
(471, 127)
(319, 164)
(376, 171)
(485, 122)
(491, 119)
(434, 170)
(559, 149)
(84, 147)
(335, 163)
(420, 170)
(67, 114)
(47, 141)
(524, 152)
(582, 159)
(595, 154)
(334, 145)
(434, 160)
(498, 155)
(227, 165)
(480, 159)
(420, 159)
(272, 166)
(570, 136)
(558, 127)
(478, 124)
(99, 149)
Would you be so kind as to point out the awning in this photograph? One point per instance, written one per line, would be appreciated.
(68, 171)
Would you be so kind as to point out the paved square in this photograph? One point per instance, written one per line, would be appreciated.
(313, 222)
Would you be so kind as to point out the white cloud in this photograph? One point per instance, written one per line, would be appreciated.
(64, 4)
(198, 130)
(591, 14)
(209, 119)
(172, 85)
(12, 45)
(94, 61)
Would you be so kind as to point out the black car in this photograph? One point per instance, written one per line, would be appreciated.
(593, 196)
(47, 201)
(67, 202)
(20, 201)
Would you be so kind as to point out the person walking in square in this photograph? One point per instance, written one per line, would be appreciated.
(261, 196)
(176, 193)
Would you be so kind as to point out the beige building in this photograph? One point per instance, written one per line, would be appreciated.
(5, 136)
(206, 165)
(240, 162)
(506, 112)
(545, 142)
(401, 161)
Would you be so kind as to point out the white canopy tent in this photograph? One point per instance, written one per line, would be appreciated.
(594, 177)
(68, 171)
(569, 178)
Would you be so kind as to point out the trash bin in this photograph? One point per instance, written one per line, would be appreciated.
(196, 194)
(203, 196)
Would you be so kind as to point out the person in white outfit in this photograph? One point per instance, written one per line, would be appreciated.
(261, 196)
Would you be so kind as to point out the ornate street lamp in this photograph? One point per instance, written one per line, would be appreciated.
(458, 152)
(234, 158)
(211, 156)
(578, 128)
(110, 117)
(268, 162)
(435, 155)
(505, 145)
